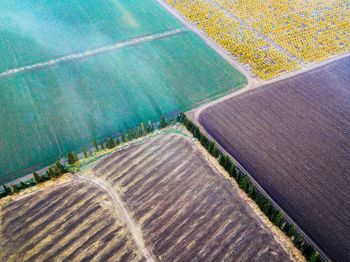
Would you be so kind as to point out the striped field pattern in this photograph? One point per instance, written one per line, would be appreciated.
(293, 137)
(74, 221)
(187, 211)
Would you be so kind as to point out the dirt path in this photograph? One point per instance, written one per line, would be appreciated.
(92, 52)
(123, 212)
(194, 113)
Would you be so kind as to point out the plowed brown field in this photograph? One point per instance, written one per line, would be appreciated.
(72, 222)
(293, 137)
(158, 200)
(187, 211)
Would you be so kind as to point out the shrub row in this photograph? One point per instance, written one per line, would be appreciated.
(134, 133)
(58, 169)
(53, 171)
(266, 206)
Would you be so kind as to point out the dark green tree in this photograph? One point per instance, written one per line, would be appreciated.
(37, 178)
(196, 132)
(15, 189)
(315, 258)
(222, 161)
(96, 145)
(298, 240)
(228, 163)
(233, 172)
(72, 158)
(130, 135)
(210, 147)
(244, 183)
(267, 207)
(143, 129)
(102, 146)
(47, 176)
(308, 251)
(150, 127)
(61, 169)
(214, 152)
(250, 189)
(162, 122)
(189, 125)
(85, 154)
(54, 171)
(278, 219)
(7, 190)
(203, 140)
(110, 143)
(291, 230)
(23, 185)
(181, 118)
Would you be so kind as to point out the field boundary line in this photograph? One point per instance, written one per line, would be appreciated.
(124, 214)
(254, 85)
(92, 52)
(210, 42)
(194, 118)
(253, 80)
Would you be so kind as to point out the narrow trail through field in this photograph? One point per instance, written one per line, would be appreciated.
(92, 52)
(123, 212)
(259, 34)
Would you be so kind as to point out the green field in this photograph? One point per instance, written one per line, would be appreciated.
(35, 31)
(49, 112)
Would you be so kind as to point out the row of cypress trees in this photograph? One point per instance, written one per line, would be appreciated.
(53, 171)
(265, 204)
(127, 136)
(58, 169)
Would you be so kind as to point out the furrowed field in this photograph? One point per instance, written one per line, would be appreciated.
(186, 210)
(293, 137)
(56, 108)
(161, 199)
(73, 221)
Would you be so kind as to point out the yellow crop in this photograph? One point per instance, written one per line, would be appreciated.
(270, 36)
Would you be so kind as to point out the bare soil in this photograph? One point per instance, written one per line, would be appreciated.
(293, 137)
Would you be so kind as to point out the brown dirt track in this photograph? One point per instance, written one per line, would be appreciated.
(293, 137)
(73, 221)
(187, 211)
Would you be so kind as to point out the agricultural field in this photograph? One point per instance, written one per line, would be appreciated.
(263, 59)
(311, 30)
(157, 199)
(186, 209)
(32, 32)
(60, 105)
(293, 137)
(272, 37)
(73, 221)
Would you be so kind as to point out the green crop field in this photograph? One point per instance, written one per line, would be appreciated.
(48, 112)
(33, 31)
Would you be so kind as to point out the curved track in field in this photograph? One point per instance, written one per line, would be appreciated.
(123, 212)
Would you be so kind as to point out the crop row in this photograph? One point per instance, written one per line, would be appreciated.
(263, 58)
(72, 222)
(311, 30)
(186, 209)
(292, 136)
